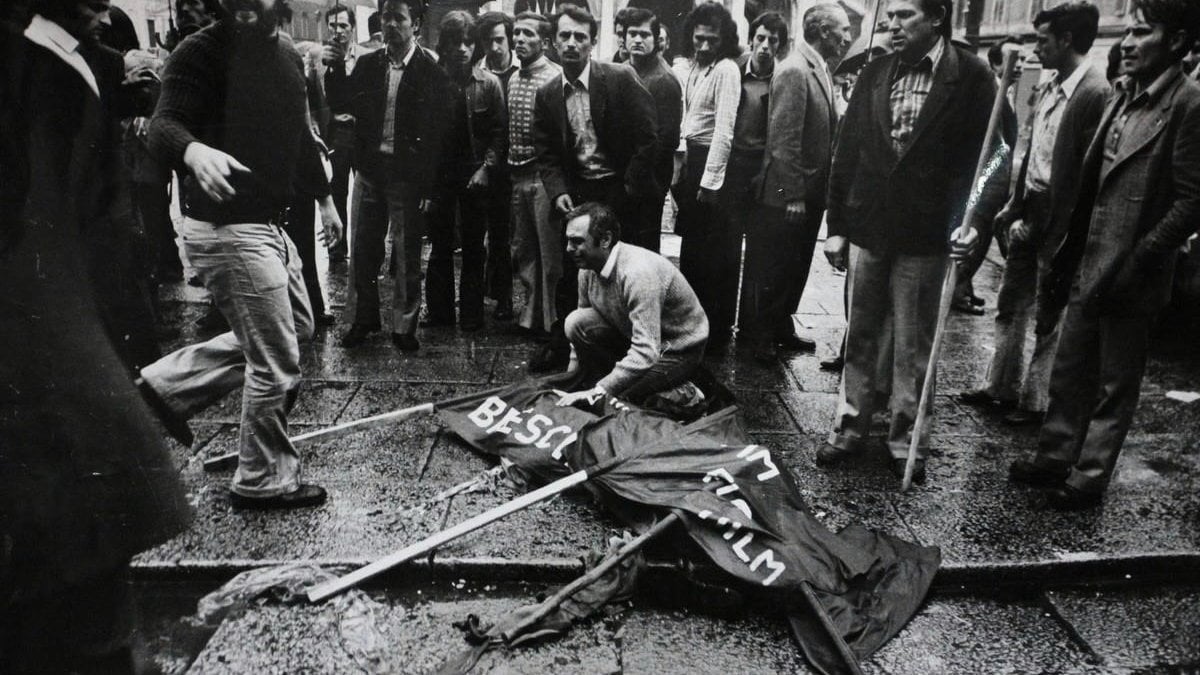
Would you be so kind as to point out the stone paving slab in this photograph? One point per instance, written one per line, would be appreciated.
(1144, 629)
(663, 642)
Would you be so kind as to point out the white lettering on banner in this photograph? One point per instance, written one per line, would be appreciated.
(485, 414)
(495, 416)
(535, 428)
(752, 453)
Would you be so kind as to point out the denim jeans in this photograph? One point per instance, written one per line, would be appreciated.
(253, 272)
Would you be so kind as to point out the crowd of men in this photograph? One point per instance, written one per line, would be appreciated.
(509, 141)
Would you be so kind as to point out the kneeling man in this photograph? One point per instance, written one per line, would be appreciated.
(639, 327)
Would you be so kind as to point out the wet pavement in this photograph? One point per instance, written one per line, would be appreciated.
(993, 535)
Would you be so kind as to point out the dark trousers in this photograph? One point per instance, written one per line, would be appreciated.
(1094, 390)
(498, 213)
(465, 212)
(710, 249)
(301, 227)
(341, 140)
(153, 203)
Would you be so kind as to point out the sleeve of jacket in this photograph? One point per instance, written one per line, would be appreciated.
(977, 113)
(547, 142)
(643, 131)
(784, 180)
(668, 99)
(436, 124)
(846, 153)
(498, 148)
(1183, 218)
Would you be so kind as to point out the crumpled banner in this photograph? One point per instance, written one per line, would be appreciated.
(352, 615)
(515, 629)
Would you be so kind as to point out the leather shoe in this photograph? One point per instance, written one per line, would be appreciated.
(964, 306)
(546, 359)
(977, 301)
(325, 319)
(897, 467)
(405, 342)
(431, 322)
(1028, 473)
(793, 342)
(470, 325)
(504, 312)
(305, 495)
(357, 335)
(834, 365)
(1023, 418)
(1068, 498)
(982, 399)
(175, 423)
(829, 455)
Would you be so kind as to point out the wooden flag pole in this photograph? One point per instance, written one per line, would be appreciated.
(951, 280)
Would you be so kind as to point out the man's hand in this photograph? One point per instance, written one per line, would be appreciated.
(212, 169)
(963, 242)
(794, 214)
(836, 252)
(425, 206)
(139, 77)
(590, 396)
(332, 227)
(332, 54)
(706, 196)
(479, 179)
(1018, 232)
(564, 203)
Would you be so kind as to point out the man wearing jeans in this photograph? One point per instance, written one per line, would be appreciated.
(238, 87)
(639, 327)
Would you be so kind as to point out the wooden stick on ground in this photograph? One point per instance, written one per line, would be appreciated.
(951, 279)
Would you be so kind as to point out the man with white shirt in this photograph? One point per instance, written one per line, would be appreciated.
(1065, 117)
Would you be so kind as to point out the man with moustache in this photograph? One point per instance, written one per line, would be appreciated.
(1138, 202)
(646, 58)
(900, 181)
(233, 111)
(400, 101)
(639, 328)
(536, 240)
(595, 132)
(472, 150)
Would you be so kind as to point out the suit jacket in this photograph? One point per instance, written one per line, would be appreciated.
(664, 87)
(626, 131)
(338, 93)
(1075, 132)
(420, 115)
(1130, 220)
(801, 122)
(910, 201)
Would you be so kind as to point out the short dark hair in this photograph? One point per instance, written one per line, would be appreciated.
(574, 13)
(772, 21)
(636, 16)
(602, 220)
(416, 8)
(544, 27)
(711, 14)
(995, 53)
(374, 23)
(487, 23)
(457, 27)
(945, 30)
(622, 18)
(338, 9)
(1080, 19)
(1173, 15)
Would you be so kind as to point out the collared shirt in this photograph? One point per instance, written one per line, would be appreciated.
(1135, 109)
(594, 165)
(710, 102)
(1046, 120)
(522, 91)
(394, 75)
(505, 74)
(351, 59)
(750, 129)
(44, 32)
(910, 90)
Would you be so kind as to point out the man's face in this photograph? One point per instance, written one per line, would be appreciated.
(254, 16)
(621, 32)
(1050, 50)
(457, 57)
(397, 24)
(587, 253)
(764, 45)
(527, 42)
(1146, 48)
(193, 13)
(89, 21)
(497, 44)
(1193, 58)
(664, 39)
(340, 28)
(913, 31)
(639, 40)
(706, 43)
(574, 42)
(835, 36)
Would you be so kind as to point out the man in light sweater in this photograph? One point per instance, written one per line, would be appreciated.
(639, 326)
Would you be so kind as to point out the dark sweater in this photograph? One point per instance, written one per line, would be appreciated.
(246, 98)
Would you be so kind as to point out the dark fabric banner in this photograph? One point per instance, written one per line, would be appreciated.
(738, 504)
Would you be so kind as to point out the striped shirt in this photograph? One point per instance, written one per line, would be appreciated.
(522, 91)
(910, 90)
(710, 102)
(1046, 120)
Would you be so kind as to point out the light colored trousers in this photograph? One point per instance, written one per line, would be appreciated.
(537, 248)
(252, 271)
(908, 288)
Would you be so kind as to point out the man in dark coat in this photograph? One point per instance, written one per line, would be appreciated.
(86, 481)
(900, 182)
(1139, 200)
